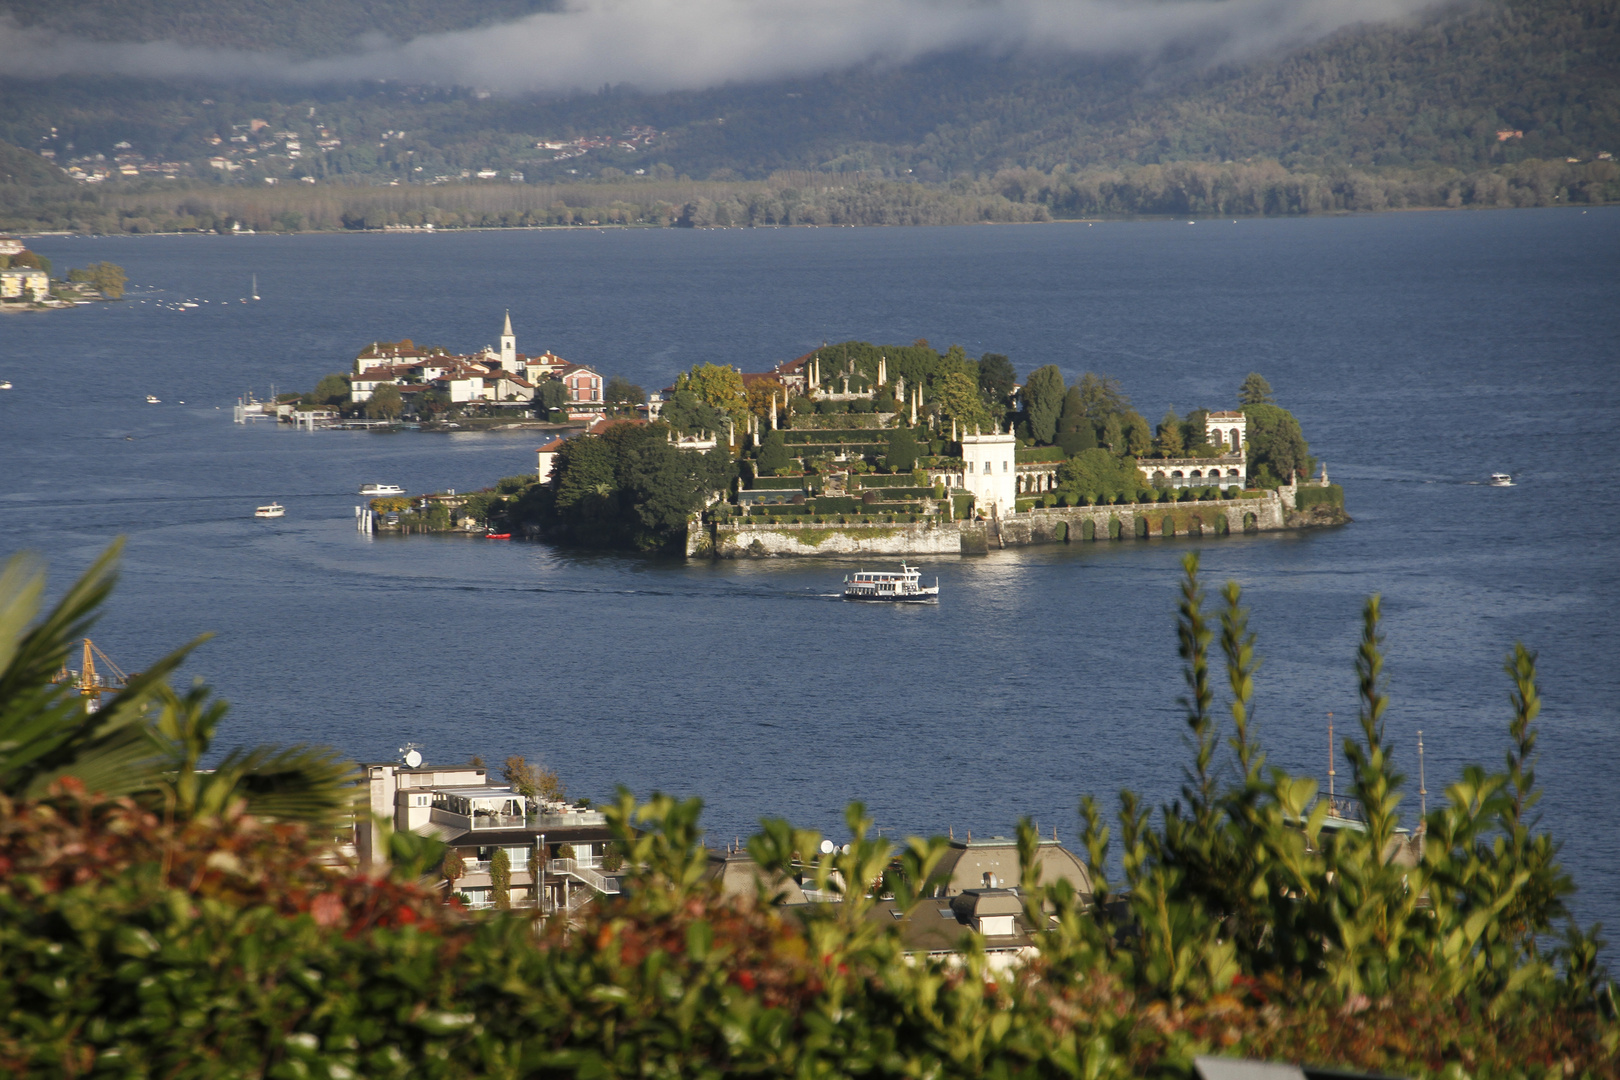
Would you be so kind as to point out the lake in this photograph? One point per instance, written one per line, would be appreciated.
(1420, 351)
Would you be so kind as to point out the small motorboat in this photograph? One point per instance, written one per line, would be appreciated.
(1501, 479)
(274, 510)
(497, 536)
(152, 399)
(375, 490)
(904, 587)
(5, 384)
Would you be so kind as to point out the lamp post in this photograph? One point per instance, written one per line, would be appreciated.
(540, 900)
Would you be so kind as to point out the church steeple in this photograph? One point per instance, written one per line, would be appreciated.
(508, 346)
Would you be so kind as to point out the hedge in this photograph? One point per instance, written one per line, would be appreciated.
(895, 480)
(829, 436)
(1034, 455)
(777, 483)
(141, 938)
(1307, 497)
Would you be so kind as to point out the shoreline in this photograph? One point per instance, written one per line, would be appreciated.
(1124, 219)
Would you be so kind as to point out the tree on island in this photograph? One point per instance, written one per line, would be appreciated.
(629, 487)
(550, 395)
(1075, 432)
(903, 450)
(996, 378)
(622, 395)
(386, 403)
(1138, 433)
(106, 278)
(1043, 400)
(1277, 447)
(1102, 396)
(762, 393)
(332, 390)
(716, 385)
(773, 455)
(1255, 391)
(686, 412)
(959, 397)
(1113, 434)
(1170, 442)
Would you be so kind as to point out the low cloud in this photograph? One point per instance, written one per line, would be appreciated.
(690, 44)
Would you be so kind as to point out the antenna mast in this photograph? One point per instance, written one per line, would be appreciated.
(1331, 772)
(1423, 790)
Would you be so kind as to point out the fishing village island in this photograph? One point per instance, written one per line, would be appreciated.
(851, 449)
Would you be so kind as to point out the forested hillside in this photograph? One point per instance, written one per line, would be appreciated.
(308, 27)
(1506, 102)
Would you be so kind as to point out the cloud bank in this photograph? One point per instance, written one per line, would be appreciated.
(691, 44)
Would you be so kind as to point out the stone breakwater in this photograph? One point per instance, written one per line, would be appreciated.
(1273, 512)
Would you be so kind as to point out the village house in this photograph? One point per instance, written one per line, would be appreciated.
(25, 283)
(585, 389)
(556, 851)
(976, 890)
(493, 375)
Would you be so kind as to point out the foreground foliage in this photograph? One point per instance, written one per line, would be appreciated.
(138, 941)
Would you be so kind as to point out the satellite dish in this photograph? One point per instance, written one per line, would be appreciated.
(845, 849)
(826, 847)
(413, 758)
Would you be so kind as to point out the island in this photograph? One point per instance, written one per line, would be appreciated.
(395, 383)
(863, 449)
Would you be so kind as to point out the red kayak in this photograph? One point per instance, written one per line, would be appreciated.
(497, 536)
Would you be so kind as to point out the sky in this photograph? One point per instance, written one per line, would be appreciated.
(657, 45)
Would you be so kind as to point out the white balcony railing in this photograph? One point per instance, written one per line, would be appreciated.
(590, 877)
(476, 821)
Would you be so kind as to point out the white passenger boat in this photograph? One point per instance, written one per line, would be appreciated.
(271, 511)
(376, 490)
(1501, 479)
(152, 399)
(904, 587)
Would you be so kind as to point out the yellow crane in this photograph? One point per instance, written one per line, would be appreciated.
(92, 684)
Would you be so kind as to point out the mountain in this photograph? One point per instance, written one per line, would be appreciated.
(304, 28)
(1498, 88)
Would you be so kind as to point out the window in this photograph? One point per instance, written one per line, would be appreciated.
(1005, 466)
(987, 468)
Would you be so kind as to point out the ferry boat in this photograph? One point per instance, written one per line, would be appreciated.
(272, 511)
(375, 490)
(904, 587)
(1501, 479)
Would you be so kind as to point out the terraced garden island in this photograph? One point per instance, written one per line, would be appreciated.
(942, 459)
(861, 449)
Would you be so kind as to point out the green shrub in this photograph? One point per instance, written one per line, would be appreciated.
(1049, 499)
(1306, 497)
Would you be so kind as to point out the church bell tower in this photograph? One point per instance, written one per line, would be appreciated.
(508, 346)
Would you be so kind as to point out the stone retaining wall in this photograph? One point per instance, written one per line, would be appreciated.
(1069, 524)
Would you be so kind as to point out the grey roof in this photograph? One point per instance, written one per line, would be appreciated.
(739, 875)
(567, 834)
(965, 864)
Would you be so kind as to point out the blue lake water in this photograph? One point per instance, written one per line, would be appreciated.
(1420, 351)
